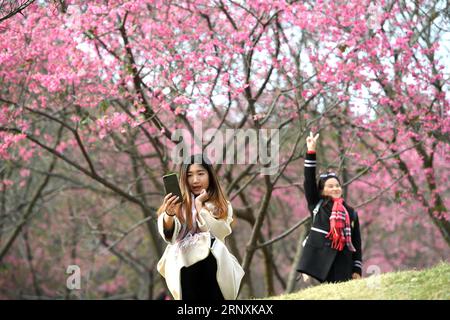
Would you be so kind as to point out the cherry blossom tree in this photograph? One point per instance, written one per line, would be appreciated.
(11, 8)
(92, 92)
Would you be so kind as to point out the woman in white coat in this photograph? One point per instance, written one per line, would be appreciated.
(196, 263)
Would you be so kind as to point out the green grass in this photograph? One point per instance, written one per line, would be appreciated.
(428, 284)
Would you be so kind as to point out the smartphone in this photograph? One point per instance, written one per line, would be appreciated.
(171, 186)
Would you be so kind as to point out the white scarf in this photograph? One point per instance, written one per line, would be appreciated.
(184, 232)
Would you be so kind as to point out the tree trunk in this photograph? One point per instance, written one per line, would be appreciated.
(298, 253)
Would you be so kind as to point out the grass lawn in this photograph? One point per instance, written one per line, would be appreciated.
(428, 284)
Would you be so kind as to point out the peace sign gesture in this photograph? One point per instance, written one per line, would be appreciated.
(311, 141)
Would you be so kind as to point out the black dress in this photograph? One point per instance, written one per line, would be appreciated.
(199, 281)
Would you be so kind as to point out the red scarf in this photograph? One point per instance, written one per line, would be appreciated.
(340, 232)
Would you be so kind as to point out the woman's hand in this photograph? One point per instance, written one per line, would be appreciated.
(169, 205)
(305, 277)
(311, 141)
(201, 198)
(356, 275)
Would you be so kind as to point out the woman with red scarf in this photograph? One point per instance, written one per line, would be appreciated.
(332, 251)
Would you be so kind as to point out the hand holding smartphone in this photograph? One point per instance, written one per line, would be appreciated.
(171, 186)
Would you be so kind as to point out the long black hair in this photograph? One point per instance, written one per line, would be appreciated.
(215, 192)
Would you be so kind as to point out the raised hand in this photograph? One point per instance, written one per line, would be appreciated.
(311, 141)
(201, 198)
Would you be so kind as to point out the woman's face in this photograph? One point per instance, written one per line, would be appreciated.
(332, 188)
(198, 178)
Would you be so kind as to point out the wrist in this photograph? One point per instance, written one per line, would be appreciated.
(168, 220)
(311, 151)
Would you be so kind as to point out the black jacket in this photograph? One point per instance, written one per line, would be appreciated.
(318, 258)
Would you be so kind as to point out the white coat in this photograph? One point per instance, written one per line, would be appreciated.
(184, 253)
